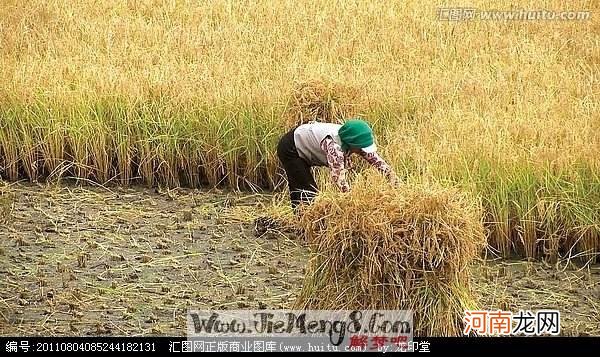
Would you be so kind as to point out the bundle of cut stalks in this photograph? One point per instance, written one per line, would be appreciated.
(321, 101)
(383, 248)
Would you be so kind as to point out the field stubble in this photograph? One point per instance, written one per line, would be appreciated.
(123, 261)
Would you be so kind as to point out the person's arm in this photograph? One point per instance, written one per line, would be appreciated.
(335, 160)
(375, 160)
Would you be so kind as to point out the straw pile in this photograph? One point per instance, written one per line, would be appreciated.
(384, 248)
(321, 101)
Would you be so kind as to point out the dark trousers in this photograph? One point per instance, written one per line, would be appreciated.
(302, 185)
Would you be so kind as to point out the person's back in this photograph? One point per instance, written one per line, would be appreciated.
(308, 138)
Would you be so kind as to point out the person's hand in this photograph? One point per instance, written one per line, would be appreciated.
(395, 181)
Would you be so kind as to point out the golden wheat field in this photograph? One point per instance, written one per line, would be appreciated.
(191, 93)
(184, 95)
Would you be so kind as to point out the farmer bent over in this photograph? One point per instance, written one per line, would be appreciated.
(326, 144)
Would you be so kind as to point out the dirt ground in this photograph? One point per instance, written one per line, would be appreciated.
(131, 261)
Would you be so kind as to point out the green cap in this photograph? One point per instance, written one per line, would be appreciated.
(356, 133)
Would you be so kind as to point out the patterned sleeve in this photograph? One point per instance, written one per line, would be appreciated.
(375, 160)
(336, 161)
